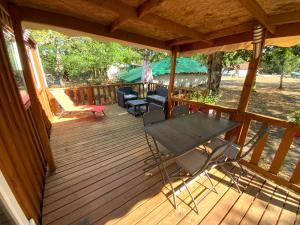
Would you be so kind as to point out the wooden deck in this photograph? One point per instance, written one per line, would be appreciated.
(99, 179)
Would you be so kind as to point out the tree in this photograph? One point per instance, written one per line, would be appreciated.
(215, 65)
(280, 61)
(217, 61)
(81, 58)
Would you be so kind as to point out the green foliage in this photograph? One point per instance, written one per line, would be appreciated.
(201, 58)
(233, 59)
(280, 60)
(294, 117)
(82, 58)
(198, 96)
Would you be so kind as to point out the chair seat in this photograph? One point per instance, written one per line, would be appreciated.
(130, 97)
(231, 153)
(192, 161)
(163, 150)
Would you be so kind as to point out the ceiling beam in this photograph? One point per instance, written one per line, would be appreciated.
(117, 23)
(258, 13)
(237, 29)
(128, 12)
(141, 11)
(147, 7)
(64, 21)
(285, 30)
(284, 18)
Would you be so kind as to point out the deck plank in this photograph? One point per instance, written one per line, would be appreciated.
(99, 178)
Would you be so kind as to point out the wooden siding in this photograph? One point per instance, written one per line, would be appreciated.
(22, 160)
(99, 178)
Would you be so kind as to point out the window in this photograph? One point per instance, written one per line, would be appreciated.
(33, 67)
(14, 58)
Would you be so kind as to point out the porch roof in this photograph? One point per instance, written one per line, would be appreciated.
(190, 25)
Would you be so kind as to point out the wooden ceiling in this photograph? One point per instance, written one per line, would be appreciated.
(187, 25)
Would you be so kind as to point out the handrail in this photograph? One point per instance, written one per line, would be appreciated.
(245, 118)
(99, 94)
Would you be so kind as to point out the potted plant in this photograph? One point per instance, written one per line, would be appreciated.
(211, 99)
(295, 118)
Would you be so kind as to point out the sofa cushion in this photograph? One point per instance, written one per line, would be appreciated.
(157, 98)
(130, 97)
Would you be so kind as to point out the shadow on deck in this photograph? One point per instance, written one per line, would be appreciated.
(99, 179)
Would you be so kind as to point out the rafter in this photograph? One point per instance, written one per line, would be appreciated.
(117, 23)
(148, 7)
(285, 30)
(258, 13)
(63, 21)
(127, 12)
(241, 28)
(284, 18)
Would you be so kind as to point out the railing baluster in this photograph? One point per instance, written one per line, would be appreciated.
(144, 95)
(90, 95)
(296, 175)
(218, 114)
(115, 93)
(283, 149)
(259, 149)
(81, 93)
(104, 94)
(98, 95)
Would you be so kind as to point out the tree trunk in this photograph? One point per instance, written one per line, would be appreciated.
(281, 81)
(254, 84)
(209, 64)
(215, 64)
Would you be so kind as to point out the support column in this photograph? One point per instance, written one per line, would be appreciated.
(259, 35)
(28, 77)
(171, 81)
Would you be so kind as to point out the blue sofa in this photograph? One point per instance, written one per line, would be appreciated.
(125, 94)
(159, 97)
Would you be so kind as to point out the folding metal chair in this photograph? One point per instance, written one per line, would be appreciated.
(235, 153)
(158, 152)
(180, 110)
(193, 164)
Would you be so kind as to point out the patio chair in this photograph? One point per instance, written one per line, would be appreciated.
(180, 110)
(159, 152)
(68, 106)
(234, 153)
(125, 94)
(194, 163)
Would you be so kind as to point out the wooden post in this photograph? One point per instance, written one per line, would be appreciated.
(36, 108)
(171, 82)
(251, 74)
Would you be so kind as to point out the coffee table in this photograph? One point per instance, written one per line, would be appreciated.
(137, 107)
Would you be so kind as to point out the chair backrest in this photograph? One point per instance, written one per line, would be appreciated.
(180, 110)
(63, 99)
(126, 89)
(217, 155)
(162, 91)
(153, 117)
(264, 129)
(219, 151)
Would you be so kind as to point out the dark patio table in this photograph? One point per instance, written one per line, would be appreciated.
(184, 133)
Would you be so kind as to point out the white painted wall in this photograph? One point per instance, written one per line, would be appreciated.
(11, 205)
(182, 80)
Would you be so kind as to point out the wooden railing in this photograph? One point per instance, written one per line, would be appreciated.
(246, 118)
(100, 94)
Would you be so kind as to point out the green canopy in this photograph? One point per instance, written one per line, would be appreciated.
(162, 67)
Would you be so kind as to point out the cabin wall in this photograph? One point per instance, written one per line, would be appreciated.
(23, 161)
